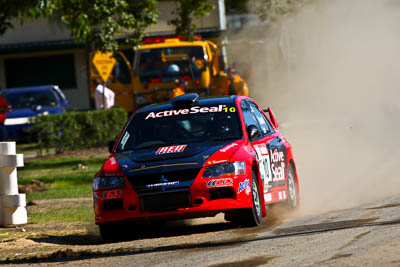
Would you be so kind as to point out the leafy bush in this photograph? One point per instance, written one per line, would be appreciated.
(78, 130)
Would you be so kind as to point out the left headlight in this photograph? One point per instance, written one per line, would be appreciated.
(108, 182)
(225, 169)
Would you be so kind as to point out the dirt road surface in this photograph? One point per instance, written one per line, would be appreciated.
(366, 235)
(330, 72)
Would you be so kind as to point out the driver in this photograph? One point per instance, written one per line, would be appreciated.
(180, 89)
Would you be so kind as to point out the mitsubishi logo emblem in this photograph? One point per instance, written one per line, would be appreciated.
(163, 181)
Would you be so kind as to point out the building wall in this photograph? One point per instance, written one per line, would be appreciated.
(40, 38)
(214, 21)
(49, 30)
(79, 95)
(35, 31)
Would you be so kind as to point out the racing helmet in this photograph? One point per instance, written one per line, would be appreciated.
(173, 68)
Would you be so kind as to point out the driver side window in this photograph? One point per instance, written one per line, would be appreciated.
(248, 116)
(264, 124)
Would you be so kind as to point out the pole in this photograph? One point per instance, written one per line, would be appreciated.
(104, 94)
(12, 204)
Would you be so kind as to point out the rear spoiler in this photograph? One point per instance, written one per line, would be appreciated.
(271, 117)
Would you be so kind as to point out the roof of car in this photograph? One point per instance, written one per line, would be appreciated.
(213, 100)
(29, 89)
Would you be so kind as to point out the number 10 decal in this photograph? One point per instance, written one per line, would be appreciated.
(264, 163)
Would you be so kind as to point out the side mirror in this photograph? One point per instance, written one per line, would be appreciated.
(271, 117)
(111, 146)
(64, 102)
(252, 132)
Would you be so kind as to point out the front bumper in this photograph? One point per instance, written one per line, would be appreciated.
(202, 201)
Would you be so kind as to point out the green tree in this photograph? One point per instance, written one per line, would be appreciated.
(96, 22)
(265, 9)
(21, 9)
(184, 16)
(272, 9)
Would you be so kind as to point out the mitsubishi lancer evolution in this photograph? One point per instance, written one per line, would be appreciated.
(193, 158)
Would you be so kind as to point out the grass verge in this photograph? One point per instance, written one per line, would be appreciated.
(82, 213)
(64, 177)
(68, 184)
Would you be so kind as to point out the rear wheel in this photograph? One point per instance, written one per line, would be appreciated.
(292, 192)
(252, 216)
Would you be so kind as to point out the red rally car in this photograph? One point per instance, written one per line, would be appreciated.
(195, 158)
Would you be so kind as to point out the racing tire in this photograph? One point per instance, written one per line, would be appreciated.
(111, 232)
(253, 216)
(291, 189)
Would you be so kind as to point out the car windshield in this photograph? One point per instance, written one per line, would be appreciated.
(30, 99)
(170, 63)
(181, 126)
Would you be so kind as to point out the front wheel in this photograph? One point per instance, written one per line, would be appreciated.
(112, 232)
(253, 216)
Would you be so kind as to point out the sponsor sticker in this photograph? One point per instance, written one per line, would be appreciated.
(124, 140)
(244, 185)
(264, 164)
(162, 184)
(111, 194)
(220, 182)
(170, 149)
(278, 165)
(247, 191)
(185, 111)
(228, 147)
(268, 197)
(214, 162)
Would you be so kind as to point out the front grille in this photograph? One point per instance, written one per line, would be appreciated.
(184, 177)
(165, 201)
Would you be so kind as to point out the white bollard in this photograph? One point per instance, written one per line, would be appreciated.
(12, 204)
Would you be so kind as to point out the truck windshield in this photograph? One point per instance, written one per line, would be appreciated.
(170, 63)
(181, 126)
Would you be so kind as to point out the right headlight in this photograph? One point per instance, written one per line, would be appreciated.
(225, 169)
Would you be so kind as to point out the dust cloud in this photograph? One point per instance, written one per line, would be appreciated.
(331, 74)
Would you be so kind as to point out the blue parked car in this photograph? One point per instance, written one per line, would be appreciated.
(28, 102)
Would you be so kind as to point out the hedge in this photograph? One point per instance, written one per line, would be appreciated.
(78, 130)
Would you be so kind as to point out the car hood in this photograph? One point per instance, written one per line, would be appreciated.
(145, 159)
(175, 170)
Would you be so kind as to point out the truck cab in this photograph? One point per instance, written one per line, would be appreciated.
(157, 64)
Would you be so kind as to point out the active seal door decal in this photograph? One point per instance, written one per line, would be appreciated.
(271, 159)
(277, 152)
(264, 163)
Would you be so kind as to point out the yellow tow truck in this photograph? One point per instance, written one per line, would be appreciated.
(157, 64)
